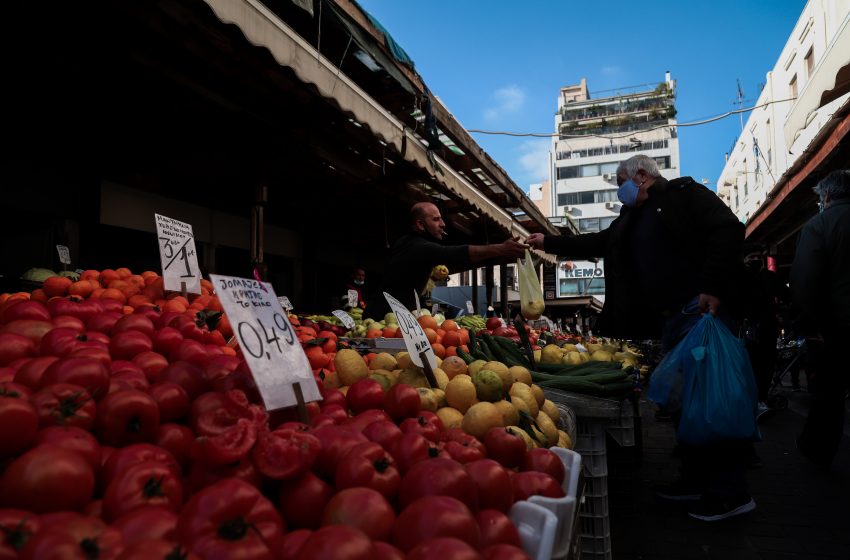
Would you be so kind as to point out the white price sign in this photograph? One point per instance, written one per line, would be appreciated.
(414, 337)
(178, 255)
(267, 340)
(435, 308)
(469, 308)
(346, 319)
(285, 303)
(353, 300)
(64, 254)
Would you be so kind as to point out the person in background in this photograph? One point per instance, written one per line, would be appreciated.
(673, 253)
(413, 256)
(820, 289)
(357, 282)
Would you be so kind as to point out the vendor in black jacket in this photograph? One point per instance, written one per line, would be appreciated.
(414, 255)
(673, 253)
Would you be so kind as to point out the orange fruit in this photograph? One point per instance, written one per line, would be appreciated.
(427, 322)
(451, 338)
(373, 333)
(112, 293)
(453, 365)
(431, 334)
(389, 332)
(449, 325)
(439, 350)
(56, 286)
(81, 288)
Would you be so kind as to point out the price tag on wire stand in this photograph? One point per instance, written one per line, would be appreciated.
(64, 254)
(353, 300)
(285, 303)
(415, 339)
(267, 339)
(469, 308)
(346, 319)
(178, 255)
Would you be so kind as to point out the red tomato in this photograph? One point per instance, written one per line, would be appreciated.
(47, 478)
(230, 519)
(187, 375)
(336, 412)
(464, 453)
(366, 419)
(434, 516)
(438, 477)
(303, 499)
(16, 527)
(88, 373)
(201, 476)
(172, 400)
(545, 461)
(533, 483)
(371, 466)
(29, 373)
(402, 401)
(190, 351)
(222, 366)
(336, 442)
(60, 341)
(127, 417)
(386, 551)
(128, 379)
(126, 345)
(18, 423)
(74, 539)
(443, 548)
(410, 449)
(103, 321)
(146, 523)
(492, 483)
(231, 445)
(430, 428)
(292, 543)
(32, 310)
(152, 364)
(15, 346)
(80, 309)
(121, 460)
(333, 396)
(505, 447)
(158, 549)
(496, 528)
(72, 439)
(365, 394)
(339, 542)
(176, 439)
(133, 322)
(166, 340)
(150, 483)
(503, 552)
(67, 321)
(285, 454)
(361, 508)
(383, 432)
(64, 404)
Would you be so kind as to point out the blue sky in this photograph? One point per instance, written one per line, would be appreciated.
(499, 64)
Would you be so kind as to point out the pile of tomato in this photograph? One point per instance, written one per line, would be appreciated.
(137, 433)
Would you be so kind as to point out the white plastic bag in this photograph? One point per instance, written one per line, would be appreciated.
(530, 290)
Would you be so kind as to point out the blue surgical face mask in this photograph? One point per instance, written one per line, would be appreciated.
(358, 282)
(628, 192)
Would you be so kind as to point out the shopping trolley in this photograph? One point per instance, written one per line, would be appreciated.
(789, 356)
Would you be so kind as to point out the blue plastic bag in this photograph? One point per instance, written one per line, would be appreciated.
(665, 387)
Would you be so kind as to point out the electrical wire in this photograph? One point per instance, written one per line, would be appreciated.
(629, 133)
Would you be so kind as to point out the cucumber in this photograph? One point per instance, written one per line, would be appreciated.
(574, 385)
(510, 348)
(465, 356)
(620, 389)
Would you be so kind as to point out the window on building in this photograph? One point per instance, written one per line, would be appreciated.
(588, 225)
(568, 172)
(809, 62)
(663, 162)
(746, 185)
(581, 286)
(792, 87)
(604, 223)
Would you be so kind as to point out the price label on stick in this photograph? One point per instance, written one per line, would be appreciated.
(346, 319)
(178, 255)
(435, 308)
(285, 303)
(353, 300)
(64, 254)
(469, 308)
(267, 339)
(414, 337)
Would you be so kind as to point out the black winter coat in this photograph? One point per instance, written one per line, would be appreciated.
(704, 238)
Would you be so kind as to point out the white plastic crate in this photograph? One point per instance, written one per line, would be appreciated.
(594, 505)
(563, 508)
(592, 526)
(536, 526)
(622, 429)
(596, 486)
(595, 547)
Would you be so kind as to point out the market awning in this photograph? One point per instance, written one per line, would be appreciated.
(263, 28)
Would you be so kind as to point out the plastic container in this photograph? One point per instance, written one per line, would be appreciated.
(596, 506)
(564, 508)
(537, 527)
(622, 428)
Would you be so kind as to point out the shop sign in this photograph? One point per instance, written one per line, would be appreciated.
(178, 255)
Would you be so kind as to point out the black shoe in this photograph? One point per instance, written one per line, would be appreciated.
(678, 491)
(712, 508)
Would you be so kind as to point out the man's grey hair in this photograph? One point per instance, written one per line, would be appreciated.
(835, 185)
(635, 163)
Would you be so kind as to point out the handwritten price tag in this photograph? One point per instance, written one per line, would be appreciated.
(285, 303)
(178, 255)
(353, 300)
(469, 308)
(64, 254)
(267, 339)
(346, 319)
(415, 339)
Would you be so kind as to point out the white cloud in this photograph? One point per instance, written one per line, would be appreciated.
(534, 160)
(506, 100)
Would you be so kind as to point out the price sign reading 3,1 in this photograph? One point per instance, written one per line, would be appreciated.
(414, 337)
(64, 254)
(285, 303)
(346, 319)
(353, 300)
(178, 255)
(267, 339)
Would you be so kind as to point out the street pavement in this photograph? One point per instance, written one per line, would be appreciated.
(803, 512)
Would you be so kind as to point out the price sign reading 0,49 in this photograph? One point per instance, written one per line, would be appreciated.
(267, 339)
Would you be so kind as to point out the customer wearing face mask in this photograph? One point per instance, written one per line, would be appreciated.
(672, 254)
(357, 283)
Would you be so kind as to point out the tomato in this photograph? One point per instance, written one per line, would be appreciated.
(69, 322)
(428, 428)
(88, 373)
(177, 439)
(432, 517)
(128, 379)
(166, 340)
(18, 422)
(365, 394)
(201, 476)
(16, 528)
(339, 542)
(302, 500)
(8, 388)
(73, 439)
(383, 432)
(545, 461)
(410, 449)
(64, 404)
(369, 465)
(386, 551)
(292, 543)
(47, 478)
(157, 549)
(492, 483)
(361, 508)
(336, 412)
(32, 310)
(127, 417)
(533, 483)
(438, 477)
(231, 445)
(366, 419)
(103, 321)
(146, 523)
(60, 341)
(190, 351)
(151, 363)
(336, 442)
(74, 539)
(496, 528)
(285, 454)
(31, 371)
(15, 346)
(505, 447)
(463, 452)
(148, 483)
(230, 519)
(123, 459)
(172, 400)
(402, 401)
(133, 322)
(125, 345)
(443, 548)
(222, 366)
(187, 375)
(80, 309)
(333, 396)
(503, 552)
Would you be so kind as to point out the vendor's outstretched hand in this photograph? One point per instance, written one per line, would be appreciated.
(513, 248)
(535, 240)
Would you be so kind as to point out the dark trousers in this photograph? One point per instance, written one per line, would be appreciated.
(824, 426)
